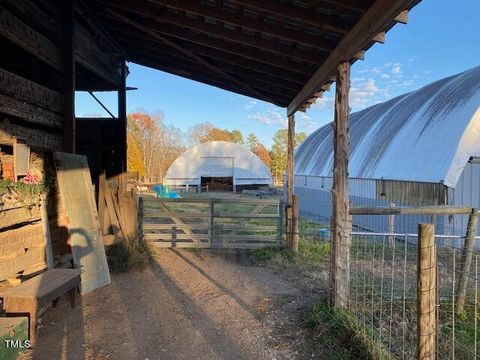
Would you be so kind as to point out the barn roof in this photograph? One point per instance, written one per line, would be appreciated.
(282, 51)
(196, 162)
(426, 135)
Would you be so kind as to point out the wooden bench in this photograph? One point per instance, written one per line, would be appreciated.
(30, 296)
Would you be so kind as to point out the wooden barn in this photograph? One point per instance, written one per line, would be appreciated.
(283, 52)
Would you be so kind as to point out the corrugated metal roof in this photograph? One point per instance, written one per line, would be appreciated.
(426, 135)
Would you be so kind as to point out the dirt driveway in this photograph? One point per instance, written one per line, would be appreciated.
(186, 305)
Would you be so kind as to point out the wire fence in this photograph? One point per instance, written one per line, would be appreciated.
(383, 291)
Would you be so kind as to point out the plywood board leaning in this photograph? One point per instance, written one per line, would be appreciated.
(83, 227)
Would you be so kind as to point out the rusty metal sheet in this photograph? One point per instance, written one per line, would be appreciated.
(78, 199)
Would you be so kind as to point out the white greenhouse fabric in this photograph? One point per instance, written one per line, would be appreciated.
(216, 166)
(426, 135)
(218, 159)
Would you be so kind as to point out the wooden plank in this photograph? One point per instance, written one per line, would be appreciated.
(236, 19)
(23, 89)
(85, 239)
(200, 25)
(341, 225)
(68, 57)
(300, 14)
(21, 238)
(152, 199)
(31, 113)
(45, 287)
(18, 215)
(115, 224)
(426, 293)
(378, 18)
(46, 236)
(32, 137)
(164, 236)
(32, 15)
(30, 40)
(199, 59)
(11, 267)
(91, 54)
(102, 183)
(122, 117)
(202, 45)
(417, 210)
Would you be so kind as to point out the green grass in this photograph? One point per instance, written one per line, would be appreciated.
(310, 256)
(345, 335)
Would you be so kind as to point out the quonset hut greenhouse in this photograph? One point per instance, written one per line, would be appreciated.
(418, 149)
(220, 165)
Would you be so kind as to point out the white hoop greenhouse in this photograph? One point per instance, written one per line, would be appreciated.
(223, 166)
(421, 148)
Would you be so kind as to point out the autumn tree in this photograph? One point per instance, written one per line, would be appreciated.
(158, 145)
(134, 156)
(262, 152)
(278, 152)
(237, 137)
(252, 142)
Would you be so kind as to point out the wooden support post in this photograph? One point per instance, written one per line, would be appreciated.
(68, 24)
(294, 223)
(467, 256)
(211, 224)
(426, 291)
(341, 224)
(122, 112)
(290, 180)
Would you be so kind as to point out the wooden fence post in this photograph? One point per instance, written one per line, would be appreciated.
(341, 228)
(211, 224)
(426, 292)
(467, 256)
(294, 224)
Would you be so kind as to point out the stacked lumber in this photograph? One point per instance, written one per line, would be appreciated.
(116, 211)
(22, 247)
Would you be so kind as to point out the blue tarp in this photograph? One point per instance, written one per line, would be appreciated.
(163, 191)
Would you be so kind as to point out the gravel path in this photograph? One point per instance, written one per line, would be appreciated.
(186, 305)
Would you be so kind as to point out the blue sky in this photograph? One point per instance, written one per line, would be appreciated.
(440, 39)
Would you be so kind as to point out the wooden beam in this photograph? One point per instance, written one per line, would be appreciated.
(380, 37)
(378, 18)
(28, 39)
(217, 55)
(302, 15)
(290, 180)
(93, 56)
(402, 17)
(35, 17)
(33, 137)
(196, 75)
(194, 7)
(360, 5)
(122, 112)
(225, 46)
(341, 224)
(19, 108)
(199, 25)
(68, 32)
(190, 54)
(23, 89)
(412, 210)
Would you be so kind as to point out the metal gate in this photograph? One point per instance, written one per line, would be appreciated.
(211, 222)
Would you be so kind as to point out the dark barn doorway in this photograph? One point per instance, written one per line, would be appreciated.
(219, 184)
